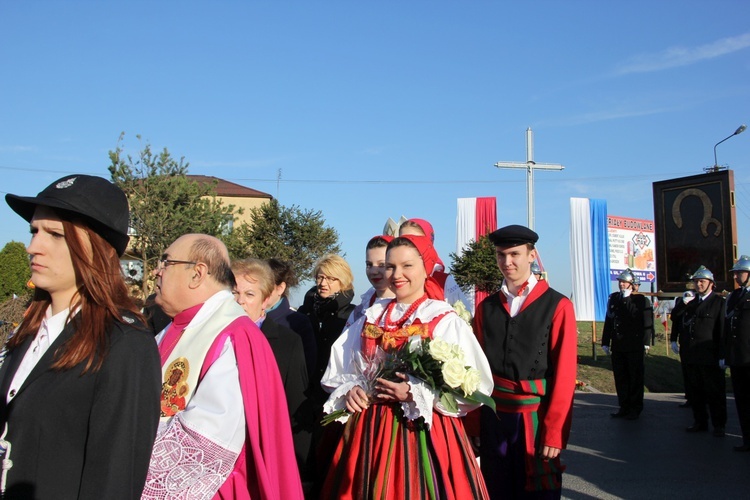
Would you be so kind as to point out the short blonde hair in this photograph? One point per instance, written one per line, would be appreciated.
(257, 271)
(336, 267)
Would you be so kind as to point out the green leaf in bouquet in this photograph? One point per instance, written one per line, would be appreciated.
(480, 398)
(448, 401)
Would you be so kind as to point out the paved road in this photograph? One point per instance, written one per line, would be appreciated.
(652, 457)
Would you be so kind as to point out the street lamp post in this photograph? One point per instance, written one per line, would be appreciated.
(739, 130)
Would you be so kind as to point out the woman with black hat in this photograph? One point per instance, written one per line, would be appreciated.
(79, 389)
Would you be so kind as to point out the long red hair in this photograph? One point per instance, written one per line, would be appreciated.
(102, 297)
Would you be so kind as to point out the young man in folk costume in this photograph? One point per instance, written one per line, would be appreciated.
(227, 435)
(528, 332)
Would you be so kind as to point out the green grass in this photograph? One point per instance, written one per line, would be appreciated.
(663, 372)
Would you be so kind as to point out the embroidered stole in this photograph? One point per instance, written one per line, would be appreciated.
(181, 372)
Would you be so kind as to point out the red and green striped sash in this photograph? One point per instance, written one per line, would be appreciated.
(525, 397)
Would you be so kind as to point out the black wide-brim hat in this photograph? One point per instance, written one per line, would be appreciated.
(101, 204)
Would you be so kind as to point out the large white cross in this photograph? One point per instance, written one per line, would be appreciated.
(530, 166)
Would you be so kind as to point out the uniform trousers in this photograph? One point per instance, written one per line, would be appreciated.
(741, 388)
(708, 390)
(686, 379)
(628, 369)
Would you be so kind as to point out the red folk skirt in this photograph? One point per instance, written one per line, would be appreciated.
(383, 456)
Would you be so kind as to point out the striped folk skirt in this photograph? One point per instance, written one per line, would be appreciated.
(382, 456)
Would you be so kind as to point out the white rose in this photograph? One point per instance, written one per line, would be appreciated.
(462, 312)
(471, 381)
(453, 373)
(458, 353)
(440, 350)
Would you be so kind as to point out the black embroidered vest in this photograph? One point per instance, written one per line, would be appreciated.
(518, 348)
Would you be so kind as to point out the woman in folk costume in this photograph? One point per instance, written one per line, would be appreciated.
(375, 270)
(80, 385)
(384, 452)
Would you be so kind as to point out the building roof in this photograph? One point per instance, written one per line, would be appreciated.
(226, 188)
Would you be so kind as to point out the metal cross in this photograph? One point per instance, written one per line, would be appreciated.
(530, 166)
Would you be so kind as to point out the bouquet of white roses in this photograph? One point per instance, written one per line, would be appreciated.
(439, 364)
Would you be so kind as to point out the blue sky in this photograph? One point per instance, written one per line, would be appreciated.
(380, 109)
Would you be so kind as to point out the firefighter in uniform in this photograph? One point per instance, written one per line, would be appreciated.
(738, 346)
(628, 328)
(703, 351)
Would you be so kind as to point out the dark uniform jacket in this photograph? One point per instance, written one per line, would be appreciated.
(737, 328)
(702, 330)
(89, 436)
(629, 324)
(677, 312)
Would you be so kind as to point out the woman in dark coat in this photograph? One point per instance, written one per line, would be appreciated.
(328, 305)
(279, 310)
(79, 389)
(253, 290)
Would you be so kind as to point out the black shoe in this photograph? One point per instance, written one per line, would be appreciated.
(618, 414)
(697, 428)
(686, 404)
(742, 448)
(719, 432)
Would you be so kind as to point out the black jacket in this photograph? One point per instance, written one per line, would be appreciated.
(737, 328)
(284, 315)
(702, 331)
(289, 353)
(83, 436)
(629, 324)
(328, 318)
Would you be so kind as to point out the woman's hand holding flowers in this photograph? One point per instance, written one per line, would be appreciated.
(388, 391)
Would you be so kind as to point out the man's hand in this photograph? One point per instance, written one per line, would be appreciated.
(606, 350)
(549, 453)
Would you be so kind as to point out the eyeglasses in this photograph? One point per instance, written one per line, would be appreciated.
(165, 263)
(322, 277)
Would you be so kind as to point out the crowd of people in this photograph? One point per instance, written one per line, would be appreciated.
(218, 388)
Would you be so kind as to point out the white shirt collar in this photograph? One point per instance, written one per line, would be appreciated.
(54, 325)
(530, 283)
